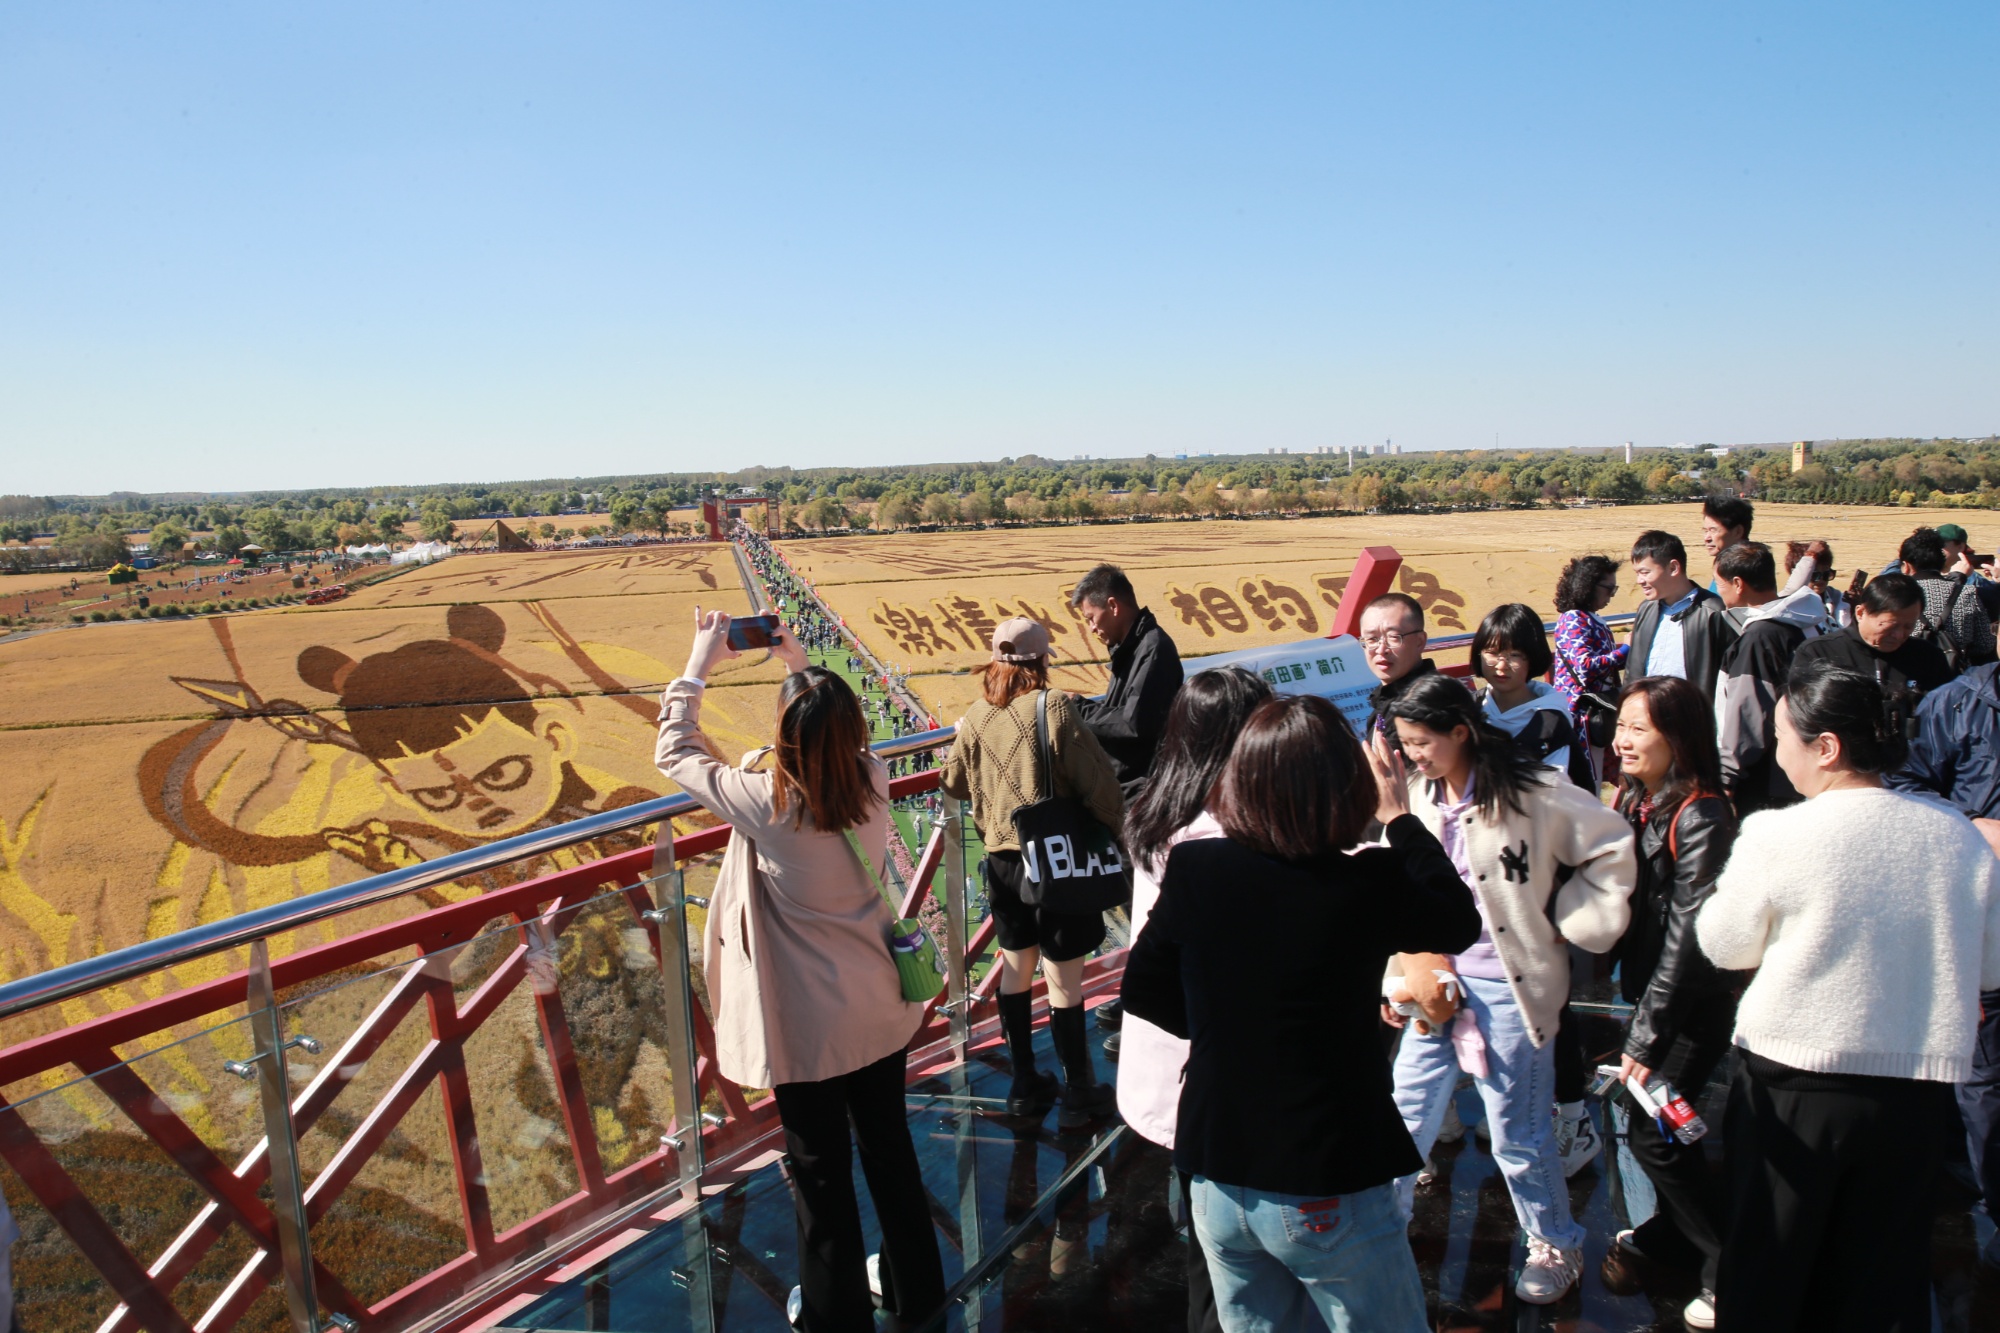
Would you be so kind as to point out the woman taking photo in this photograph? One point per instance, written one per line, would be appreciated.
(806, 996)
(995, 763)
(1683, 1008)
(1260, 951)
(1587, 659)
(1202, 726)
(1872, 917)
(1509, 825)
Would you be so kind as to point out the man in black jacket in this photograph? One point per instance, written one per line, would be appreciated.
(1131, 716)
(1753, 676)
(1681, 630)
(1393, 638)
(1880, 643)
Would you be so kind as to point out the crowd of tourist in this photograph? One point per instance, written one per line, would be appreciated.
(1794, 881)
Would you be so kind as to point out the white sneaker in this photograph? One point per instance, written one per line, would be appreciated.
(1454, 1128)
(1700, 1312)
(1577, 1141)
(1549, 1272)
(875, 1276)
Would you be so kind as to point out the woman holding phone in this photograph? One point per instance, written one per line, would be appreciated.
(806, 995)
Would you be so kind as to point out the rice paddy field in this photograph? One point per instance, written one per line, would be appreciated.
(927, 602)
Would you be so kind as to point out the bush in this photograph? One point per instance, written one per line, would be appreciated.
(171, 610)
(208, 608)
(97, 617)
(76, 618)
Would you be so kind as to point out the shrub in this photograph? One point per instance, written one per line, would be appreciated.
(171, 610)
(76, 618)
(97, 617)
(208, 608)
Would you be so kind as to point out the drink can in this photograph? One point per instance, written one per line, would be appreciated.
(1676, 1114)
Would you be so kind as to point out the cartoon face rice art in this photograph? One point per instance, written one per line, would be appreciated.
(466, 748)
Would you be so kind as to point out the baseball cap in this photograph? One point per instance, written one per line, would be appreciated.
(1950, 532)
(1020, 640)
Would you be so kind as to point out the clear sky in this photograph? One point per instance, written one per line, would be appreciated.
(315, 245)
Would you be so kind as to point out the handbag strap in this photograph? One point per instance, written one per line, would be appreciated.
(1042, 745)
(879, 880)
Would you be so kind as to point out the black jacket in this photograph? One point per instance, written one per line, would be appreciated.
(1129, 718)
(1752, 680)
(1274, 972)
(1918, 664)
(1706, 633)
(1661, 968)
(1384, 695)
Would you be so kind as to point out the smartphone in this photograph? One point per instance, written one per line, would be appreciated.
(747, 632)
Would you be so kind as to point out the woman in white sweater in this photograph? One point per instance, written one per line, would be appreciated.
(1873, 918)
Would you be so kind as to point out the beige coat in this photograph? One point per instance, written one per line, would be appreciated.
(995, 762)
(797, 946)
(1564, 825)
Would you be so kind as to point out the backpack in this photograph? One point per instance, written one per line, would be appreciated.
(1940, 632)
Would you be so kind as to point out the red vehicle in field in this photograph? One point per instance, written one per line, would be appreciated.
(324, 595)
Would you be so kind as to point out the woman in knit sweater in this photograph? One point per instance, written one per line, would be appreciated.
(1873, 918)
(996, 764)
(1507, 823)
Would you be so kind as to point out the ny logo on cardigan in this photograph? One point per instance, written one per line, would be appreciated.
(1515, 863)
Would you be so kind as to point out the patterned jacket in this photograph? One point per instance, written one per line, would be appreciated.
(1587, 658)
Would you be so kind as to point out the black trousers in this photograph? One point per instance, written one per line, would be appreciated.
(1687, 1229)
(1831, 1184)
(833, 1259)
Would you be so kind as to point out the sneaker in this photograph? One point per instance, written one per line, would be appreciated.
(1700, 1312)
(875, 1277)
(1549, 1273)
(795, 1308)
(1577, 1141)
(1454, 1127)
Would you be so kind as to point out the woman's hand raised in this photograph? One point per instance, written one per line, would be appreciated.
(711, 644)
(785, 647)
(1392, 791)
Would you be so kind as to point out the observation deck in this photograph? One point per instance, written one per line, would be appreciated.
(501, 1111)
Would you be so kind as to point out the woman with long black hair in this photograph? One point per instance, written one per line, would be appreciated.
(1202, 726)
(1872, 917)
(1509, 826)
(1683, 1007)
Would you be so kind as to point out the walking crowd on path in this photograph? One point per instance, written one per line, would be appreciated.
(1769, 819)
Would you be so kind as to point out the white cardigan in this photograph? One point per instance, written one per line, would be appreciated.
(1873, 920)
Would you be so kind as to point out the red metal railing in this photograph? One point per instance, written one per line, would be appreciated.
(146, 1287)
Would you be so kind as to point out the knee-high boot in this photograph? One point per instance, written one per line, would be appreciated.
(1032, 1091)
(1084, 1098)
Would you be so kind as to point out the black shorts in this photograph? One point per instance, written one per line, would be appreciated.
(1060, 936)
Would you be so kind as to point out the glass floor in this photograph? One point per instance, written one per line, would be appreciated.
(1042, 1230)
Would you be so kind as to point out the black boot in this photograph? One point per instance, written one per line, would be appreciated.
(1084, 1098)
(1032, 1092)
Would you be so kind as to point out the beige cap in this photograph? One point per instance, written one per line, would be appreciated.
(1020, 640)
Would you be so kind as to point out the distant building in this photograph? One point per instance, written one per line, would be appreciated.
(1717, 451)
(1801, 455)
(1628, 451)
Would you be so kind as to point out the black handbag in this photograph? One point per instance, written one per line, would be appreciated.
(1600, 719)
(1069, 860)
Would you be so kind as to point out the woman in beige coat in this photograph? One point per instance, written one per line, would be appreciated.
(806, 996)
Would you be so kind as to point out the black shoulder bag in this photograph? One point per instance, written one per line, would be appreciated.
(1070, 861)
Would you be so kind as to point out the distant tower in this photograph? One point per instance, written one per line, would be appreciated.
(1628, 451)
(1801, 455)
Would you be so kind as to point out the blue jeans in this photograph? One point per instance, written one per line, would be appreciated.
(1286, 1263)
(1519, 1094)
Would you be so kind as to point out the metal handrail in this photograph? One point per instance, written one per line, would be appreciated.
(1623, 620)
(108, 969)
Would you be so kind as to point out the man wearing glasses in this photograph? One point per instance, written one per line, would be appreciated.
(1392, 638)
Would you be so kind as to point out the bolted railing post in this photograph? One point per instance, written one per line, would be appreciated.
(669, 919)
(274, 1092)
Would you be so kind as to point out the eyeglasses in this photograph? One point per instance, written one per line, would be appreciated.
(1391, 639)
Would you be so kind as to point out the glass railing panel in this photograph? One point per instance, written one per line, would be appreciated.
(377, 1165)
(163, 1146)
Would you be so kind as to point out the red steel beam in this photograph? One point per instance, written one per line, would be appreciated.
(1374, 574)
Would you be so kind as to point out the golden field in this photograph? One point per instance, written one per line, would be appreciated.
(926, 602)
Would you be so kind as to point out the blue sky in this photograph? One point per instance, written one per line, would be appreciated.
(284, 245)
